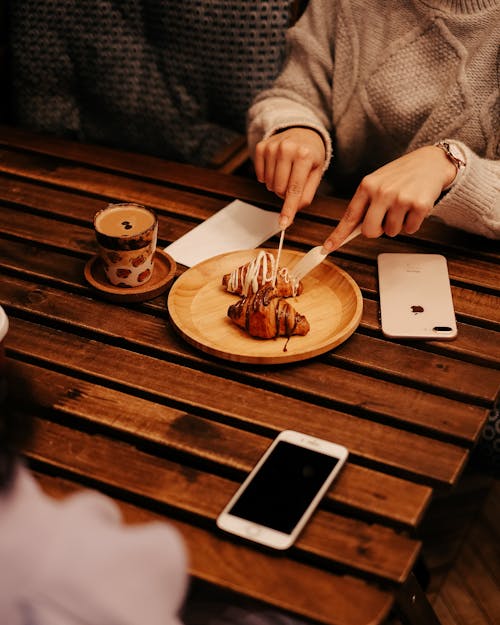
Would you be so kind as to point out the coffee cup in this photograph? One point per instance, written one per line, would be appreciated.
(126, 237)
(4, 326)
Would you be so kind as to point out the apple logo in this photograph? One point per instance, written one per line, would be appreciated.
(417, 309)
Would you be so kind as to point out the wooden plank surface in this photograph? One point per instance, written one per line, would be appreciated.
(181, 175)
(109, 381)
(351, 388)
(38, 227)
(462, 268)
(370, 493)
(279, 581)
(399, 451)
(192, 492)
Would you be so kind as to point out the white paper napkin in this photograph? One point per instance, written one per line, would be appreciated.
(237, 226)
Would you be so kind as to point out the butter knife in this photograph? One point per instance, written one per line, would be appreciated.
(315, 256)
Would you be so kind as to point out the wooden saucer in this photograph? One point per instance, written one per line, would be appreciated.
(163, 273)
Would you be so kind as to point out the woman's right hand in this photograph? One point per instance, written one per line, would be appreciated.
(290, 163)
(397, 197)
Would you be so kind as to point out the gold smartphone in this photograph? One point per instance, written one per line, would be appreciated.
(415, 297)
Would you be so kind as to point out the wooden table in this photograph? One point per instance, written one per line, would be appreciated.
(125, 405)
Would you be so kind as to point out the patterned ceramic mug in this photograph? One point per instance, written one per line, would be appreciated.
(4, 326)
(126, 236)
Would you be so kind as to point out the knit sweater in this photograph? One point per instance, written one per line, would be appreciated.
(164, 77)
(380, 78)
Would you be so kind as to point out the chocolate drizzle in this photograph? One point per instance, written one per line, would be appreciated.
(267, 315)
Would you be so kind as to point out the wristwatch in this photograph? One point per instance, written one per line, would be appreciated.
(453, 153)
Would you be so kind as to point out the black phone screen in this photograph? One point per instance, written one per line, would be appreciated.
(283, 488)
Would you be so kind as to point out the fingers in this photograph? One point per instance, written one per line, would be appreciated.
(393, 221)
(392, 210)
(259, 160)
(266, 161)
(395, 198)
(416, 216)
(300, 187)
(393, 216)
(353, 216)
(290, 163)
(311, 186)
(380, 209)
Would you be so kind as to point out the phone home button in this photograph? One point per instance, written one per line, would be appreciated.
(252, 530)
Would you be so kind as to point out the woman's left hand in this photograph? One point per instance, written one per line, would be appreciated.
(397, 197)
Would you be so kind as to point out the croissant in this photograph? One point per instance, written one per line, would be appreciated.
(259, 272)
(266, 315)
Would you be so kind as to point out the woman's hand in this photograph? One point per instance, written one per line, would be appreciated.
(397, 197)
(290, 163)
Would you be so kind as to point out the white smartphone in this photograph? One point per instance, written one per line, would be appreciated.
(279, 495)
(415, 297)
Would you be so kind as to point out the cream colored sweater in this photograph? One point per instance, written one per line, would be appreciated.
(380, 78)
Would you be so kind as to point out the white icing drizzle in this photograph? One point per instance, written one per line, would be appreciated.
(264, 264)
(295, 282)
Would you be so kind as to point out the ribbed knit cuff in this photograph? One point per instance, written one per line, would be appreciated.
(461, 6)
(473, 203)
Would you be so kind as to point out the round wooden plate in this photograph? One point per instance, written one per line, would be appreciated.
(197, 304)
(164, 269)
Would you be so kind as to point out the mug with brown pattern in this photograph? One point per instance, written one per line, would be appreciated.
(126, 236)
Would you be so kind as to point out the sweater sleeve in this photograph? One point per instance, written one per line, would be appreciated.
(301, 95)
(473, 202)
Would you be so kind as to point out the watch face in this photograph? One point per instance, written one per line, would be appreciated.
(454, 153)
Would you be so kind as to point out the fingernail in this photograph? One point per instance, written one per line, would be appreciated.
(283, 222)
(328, 245)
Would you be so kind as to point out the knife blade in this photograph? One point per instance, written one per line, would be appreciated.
(315, 256)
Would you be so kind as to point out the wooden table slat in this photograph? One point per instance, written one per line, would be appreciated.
(473, 344)
(423, 369)
(374, 494)
(150, 167)
(281, 582)
(369, 547)
(466, 269)
(432, 460)
(125, 404)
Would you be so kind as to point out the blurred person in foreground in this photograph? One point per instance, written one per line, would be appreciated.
(400, 102)
(74, 562)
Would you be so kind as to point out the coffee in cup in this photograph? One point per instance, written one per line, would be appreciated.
(126, 236)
